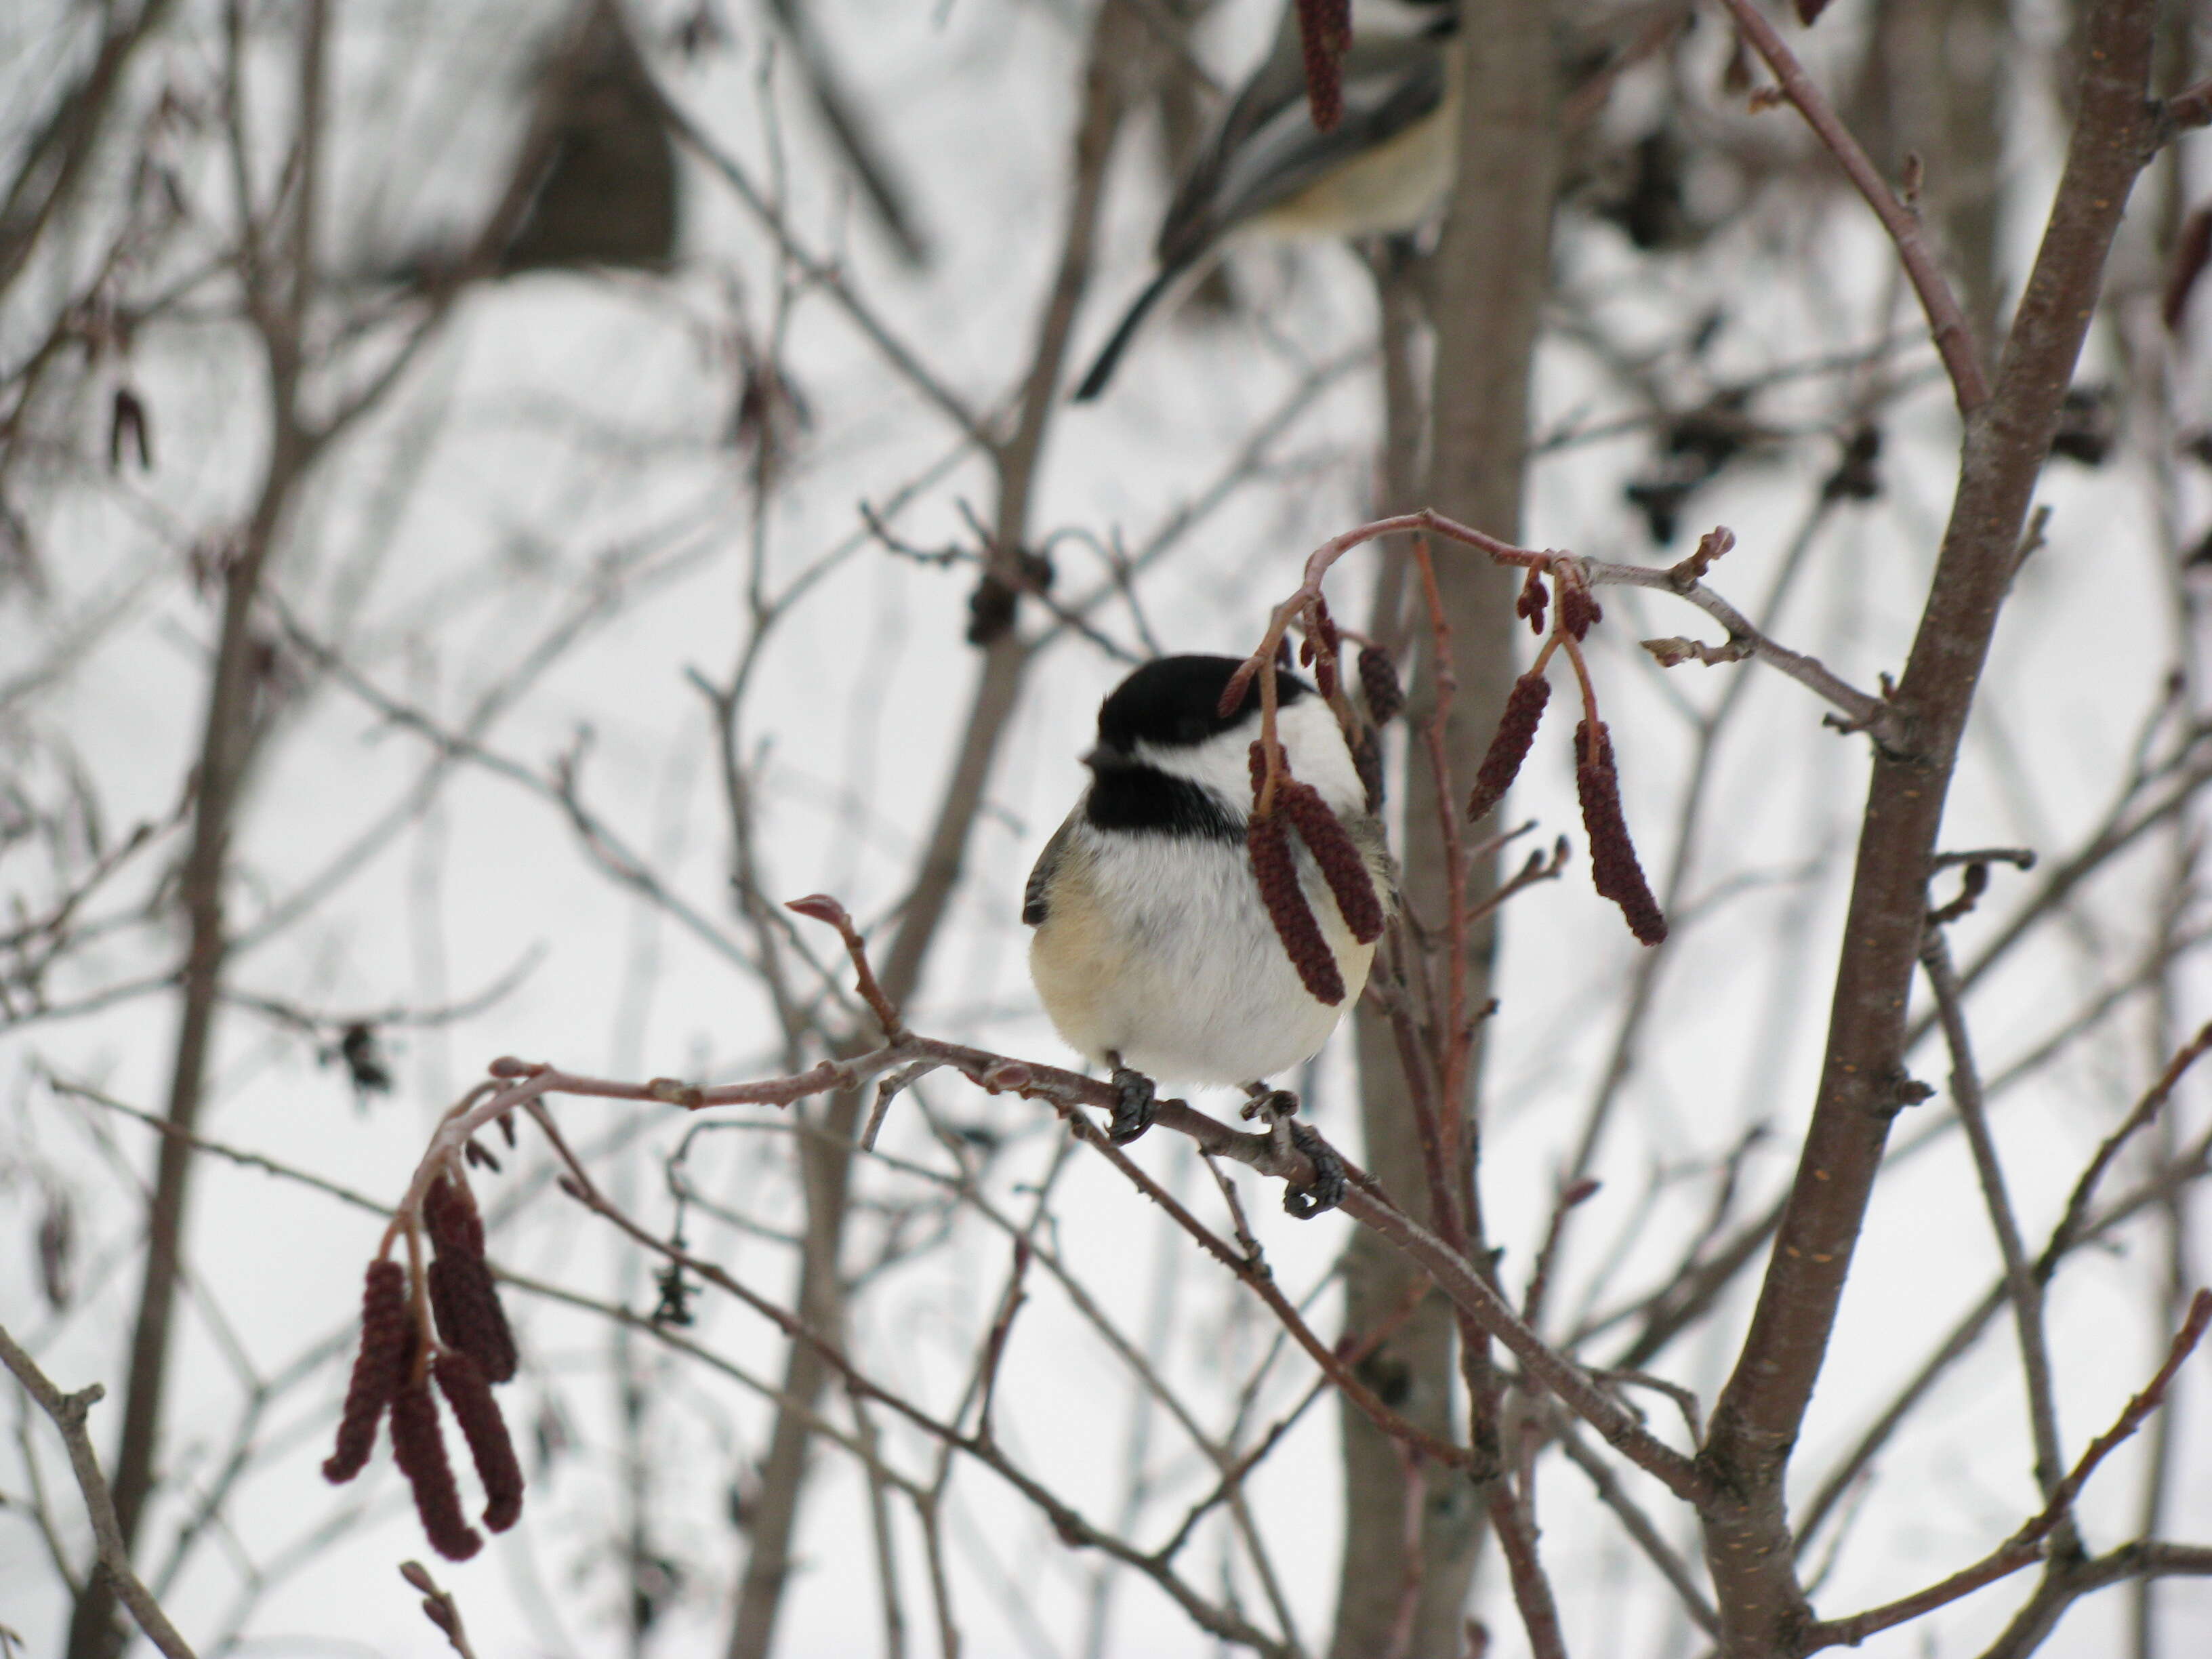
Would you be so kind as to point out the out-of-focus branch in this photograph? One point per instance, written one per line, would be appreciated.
(1954, 340)
(1639, 1527)
(2021, 1287)
(848, 126)
(2147, 1558)
(56, 158)
(819, 272)
(2027, 1544)
(1221, 1619)
(69, 1412)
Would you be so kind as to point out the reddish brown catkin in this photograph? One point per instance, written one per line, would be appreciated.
(379, 1370)
(1532, 601)
(1367, 761)
(1341, 867)
(491, 1447)
(1322, 36)
(1509, 747)
(466, 1303)
(419, 1446)
(450, 1216)
(1276, 869)
(1615, 871)
(463, 1295)
(1578, 608)
(1378, 679)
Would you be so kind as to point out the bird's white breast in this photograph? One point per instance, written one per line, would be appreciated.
(1156, 947)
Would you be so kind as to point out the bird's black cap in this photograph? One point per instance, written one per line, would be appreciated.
(1175, 701)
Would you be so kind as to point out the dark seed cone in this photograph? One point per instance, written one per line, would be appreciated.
(1509, 747)
(461, 1379)
(1533, 600)
(466, 1303)
(1378, 679)
(1341, 867)
(379, 1370)
(1579, 609)
(419, 1445)
(1276, 868)
(1614, 868)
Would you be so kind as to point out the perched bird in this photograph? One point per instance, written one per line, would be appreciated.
(1153, 952)
(1268, 172)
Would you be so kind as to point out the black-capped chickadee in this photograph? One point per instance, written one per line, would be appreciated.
(1153, 953)
(1268, 172)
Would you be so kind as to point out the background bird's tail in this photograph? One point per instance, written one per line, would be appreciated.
(1102, 369)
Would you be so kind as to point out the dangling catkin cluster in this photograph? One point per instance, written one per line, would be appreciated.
(1274, 865)
(476, 1349)
(1341, 867)
(1276, 868)
(1615, 869)
(1508, 746)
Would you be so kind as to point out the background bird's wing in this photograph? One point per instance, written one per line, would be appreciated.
(1034, 907)
(1389, 86)
(1277, 84)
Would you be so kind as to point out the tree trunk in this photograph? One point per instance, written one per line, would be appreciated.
(1492, 272)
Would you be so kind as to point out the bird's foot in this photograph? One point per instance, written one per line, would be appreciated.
(1304, 1203)
(1136, 1103)
(1277, 1108)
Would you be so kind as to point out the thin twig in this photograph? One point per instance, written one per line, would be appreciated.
(1945, 321)
(69, 1412)
(2024, 1289)
(2025, 1545)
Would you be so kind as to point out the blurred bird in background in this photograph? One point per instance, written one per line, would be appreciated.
(1268, 172)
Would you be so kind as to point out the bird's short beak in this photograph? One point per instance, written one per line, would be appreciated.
(1104, 759)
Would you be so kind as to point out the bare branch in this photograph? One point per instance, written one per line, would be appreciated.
(69, 1412)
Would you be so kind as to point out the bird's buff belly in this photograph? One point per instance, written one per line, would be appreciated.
(1186, 1003)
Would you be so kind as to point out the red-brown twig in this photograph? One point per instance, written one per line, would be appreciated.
(820, 907)
(1861, 712)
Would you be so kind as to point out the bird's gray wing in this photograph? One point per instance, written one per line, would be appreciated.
(1033, 895)
(1390, 85)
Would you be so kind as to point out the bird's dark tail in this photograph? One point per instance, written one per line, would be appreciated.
(1101, 370)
